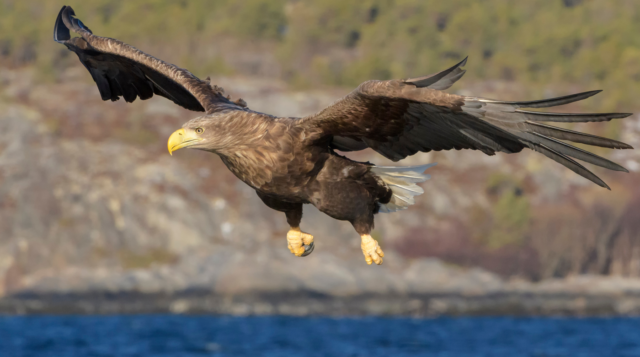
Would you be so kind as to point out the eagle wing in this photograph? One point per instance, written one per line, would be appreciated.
(398, 118)
(121, 70)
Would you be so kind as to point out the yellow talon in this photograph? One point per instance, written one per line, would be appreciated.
(299, 243)
(307, 238)
(371, 250)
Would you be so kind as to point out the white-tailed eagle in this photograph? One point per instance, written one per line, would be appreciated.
(291, 161)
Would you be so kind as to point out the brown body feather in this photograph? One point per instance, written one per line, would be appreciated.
(286, 164)
(290, 162)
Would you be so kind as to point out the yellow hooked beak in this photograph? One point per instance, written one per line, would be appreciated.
(181, 139)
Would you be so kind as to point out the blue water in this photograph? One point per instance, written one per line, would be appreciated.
(167, 335)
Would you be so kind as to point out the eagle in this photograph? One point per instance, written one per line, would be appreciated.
(290, 162)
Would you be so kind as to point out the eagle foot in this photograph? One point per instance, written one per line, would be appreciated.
(371, 250)
(299, 243)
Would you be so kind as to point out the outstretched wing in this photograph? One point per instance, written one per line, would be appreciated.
(121, 70)
(398, 118)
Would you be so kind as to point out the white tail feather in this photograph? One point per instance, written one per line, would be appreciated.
(402, 182)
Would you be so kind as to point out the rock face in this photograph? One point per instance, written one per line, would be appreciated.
(92, 206)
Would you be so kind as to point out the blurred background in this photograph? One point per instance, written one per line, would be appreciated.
(93, 207)
(97, 218)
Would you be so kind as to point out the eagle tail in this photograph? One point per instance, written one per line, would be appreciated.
(403, 184)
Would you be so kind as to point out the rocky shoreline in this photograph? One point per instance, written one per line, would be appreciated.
(317, 304)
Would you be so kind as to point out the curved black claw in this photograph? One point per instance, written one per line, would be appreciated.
(308, 249)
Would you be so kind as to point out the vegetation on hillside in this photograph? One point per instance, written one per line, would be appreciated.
(540, 43)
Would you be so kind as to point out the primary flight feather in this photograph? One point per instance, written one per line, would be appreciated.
(291, 161)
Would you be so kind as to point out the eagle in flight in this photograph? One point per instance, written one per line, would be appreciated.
(292, 161)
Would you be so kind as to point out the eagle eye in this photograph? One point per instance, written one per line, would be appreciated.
(199, 130)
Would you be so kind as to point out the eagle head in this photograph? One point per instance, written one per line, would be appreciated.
(194, 135)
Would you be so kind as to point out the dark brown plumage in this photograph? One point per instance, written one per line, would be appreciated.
(291, 161)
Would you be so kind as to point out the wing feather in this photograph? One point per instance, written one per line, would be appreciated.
(577, 137)
(120, 70)
(441, 80)
(547, 103)
(570, 164)
(571, 117)
(400, 118)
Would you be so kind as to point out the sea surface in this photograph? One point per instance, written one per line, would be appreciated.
(171, 335)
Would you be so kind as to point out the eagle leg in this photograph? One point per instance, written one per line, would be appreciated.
(299, 243)
(371, 250)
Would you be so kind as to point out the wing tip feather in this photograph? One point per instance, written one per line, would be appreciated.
(433, 79)
(60, 30)
(550, 102)
(570, 164)
(66, 17)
